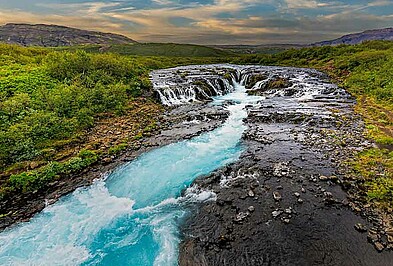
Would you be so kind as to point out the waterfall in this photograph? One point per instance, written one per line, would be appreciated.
(184, 85)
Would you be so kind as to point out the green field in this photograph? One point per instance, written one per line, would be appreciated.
(155, 49)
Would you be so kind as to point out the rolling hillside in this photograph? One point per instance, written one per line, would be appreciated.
(356, 38)
(53, 36)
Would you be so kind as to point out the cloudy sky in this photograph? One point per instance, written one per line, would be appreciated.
(208, 21)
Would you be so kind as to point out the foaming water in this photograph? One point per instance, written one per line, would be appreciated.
(132, 217)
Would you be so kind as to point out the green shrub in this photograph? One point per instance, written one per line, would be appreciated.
(37, 179)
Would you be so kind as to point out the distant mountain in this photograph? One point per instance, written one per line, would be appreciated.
(369, 35)
(53, 36)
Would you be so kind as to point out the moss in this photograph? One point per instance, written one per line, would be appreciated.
(254, 79)
(374, 167)
(117, 149)
(278, 83)
(138, 136)
(272, 84)
(37, 179)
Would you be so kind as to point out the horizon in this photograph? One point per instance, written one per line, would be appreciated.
(208, 22)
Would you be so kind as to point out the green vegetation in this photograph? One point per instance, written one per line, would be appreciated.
(155, 49)
(375, 167)
(36, 179)
(51, 98)
(57, 95)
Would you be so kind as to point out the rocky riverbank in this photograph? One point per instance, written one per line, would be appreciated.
(176, 124)
(288, 201)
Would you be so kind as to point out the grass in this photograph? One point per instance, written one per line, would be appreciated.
(374, 168)
(155, 49)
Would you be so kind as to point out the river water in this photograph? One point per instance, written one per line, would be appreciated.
(132, 216)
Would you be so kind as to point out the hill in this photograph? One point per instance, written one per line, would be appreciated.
(54, 35)
(154, 49)
(356, 38)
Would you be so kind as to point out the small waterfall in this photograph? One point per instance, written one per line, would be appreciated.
(184, 85)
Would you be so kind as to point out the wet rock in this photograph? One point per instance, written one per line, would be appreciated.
(379, 247)
(107, 160)
(360, 227)
(372, 237)
(277, 213)
(241, 216)
(327, 178)
(277, 196)
(389, 231)
(323, 178)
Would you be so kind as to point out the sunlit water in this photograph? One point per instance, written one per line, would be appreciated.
(132, 217)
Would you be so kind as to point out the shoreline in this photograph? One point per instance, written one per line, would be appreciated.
(288, 200)
(23, 207)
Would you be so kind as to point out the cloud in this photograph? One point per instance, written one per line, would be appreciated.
(296, 4)
(215, 21)
(88, 8)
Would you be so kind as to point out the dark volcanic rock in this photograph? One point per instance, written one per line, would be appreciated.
(300, 214)
(53, 36)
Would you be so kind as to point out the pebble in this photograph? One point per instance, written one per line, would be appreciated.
(286, 221)
(251, 193)
(251, 208)
(107, 160)
(323, 178)
(240, 216)
(389, 231)
(288, 211)
(299, 200)
(276, 213)
(372, 237)
(297, 194)
(277, 196)
(378, 246)
(360, 227)
(303, 190)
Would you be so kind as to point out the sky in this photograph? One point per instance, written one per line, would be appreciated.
(208, 21)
